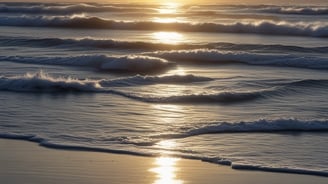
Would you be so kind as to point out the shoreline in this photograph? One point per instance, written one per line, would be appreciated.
(26, 162)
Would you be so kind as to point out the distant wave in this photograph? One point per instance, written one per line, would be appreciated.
(304, 83)
(266, 48)
(315, 29)
(149, 80)
(43, 82)
(70, 8)
(259, 126)
(129, 63)
(221, 97)
(93, 43)
(275, 9)
(297, 10)
(66, 9)
(212, 56)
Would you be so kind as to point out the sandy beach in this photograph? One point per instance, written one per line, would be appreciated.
(26, 162)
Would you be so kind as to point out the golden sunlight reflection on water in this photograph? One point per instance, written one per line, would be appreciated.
(166, 170)
(166, 144)
(177, 71)
(169, 8)
(166, 19)
(168, 37)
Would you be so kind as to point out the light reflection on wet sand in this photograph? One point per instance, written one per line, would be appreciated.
(165, 169)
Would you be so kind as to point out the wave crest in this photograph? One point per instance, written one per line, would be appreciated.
(263, 125)
(315, 29)
(213, 56)
(93, 43)
(297, 10)
(65, 9)
(149, 80)
(42, 82)
(129, 63)
(97, 43)
(221, 97)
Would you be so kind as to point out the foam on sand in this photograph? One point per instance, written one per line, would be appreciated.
(122, 168)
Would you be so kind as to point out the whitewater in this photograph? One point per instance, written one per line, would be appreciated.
(239, 85)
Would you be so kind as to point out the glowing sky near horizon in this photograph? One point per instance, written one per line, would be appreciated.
(288, 2)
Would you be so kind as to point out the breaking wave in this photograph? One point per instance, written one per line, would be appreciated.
(95, 43)
(92, 43)
(42, 82)
(66, 9)
(267, 126)
(130, 63)
(221, 97)
(315, 29)
(149, 80)
(297, 10)
(213, 56)
(278, 125)
(69, 8)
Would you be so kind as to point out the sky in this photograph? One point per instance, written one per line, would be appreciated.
(288, 2)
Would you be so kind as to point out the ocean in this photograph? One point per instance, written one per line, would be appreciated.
(240, 85)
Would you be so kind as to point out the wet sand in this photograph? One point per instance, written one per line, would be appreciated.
(28, 163)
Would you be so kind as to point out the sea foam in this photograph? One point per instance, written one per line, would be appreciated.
(42, 82)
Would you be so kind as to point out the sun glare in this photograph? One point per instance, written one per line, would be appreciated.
(167, 144)
(165, 20)
(168, 37)
(169, 8)
(177, 71)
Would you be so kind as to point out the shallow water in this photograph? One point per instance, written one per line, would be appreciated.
(209, 82)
